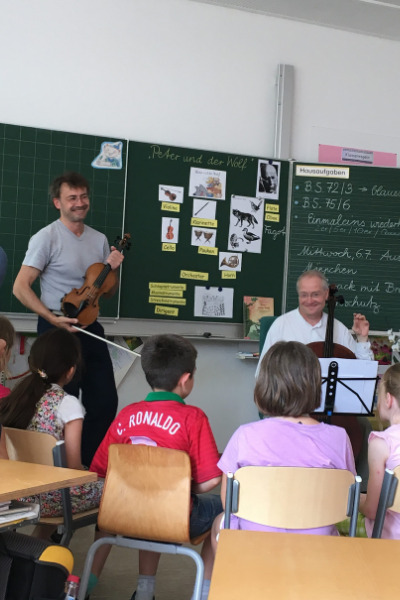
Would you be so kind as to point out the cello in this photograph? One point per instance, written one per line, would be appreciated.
(329, 349)
(83, 303)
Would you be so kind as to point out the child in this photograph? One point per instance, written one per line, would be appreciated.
(39, 403)
(384, 452)
(7, 335)
(287, 390)
(169, 363)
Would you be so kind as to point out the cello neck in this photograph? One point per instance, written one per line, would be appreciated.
(328, 344)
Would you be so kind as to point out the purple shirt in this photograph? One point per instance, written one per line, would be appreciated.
(391, 526)
(281, 443)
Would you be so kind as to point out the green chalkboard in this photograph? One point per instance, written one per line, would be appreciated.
(345, 221)
(198, 179)
(30, 158)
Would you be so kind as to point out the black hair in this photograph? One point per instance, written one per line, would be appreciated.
(165, 358)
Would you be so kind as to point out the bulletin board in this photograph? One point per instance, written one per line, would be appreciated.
(207, 229)
(30, 158)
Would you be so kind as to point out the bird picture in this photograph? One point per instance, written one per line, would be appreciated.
(255, 207)
(249, 237)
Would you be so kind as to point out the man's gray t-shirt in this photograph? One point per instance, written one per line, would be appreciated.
(63, 258)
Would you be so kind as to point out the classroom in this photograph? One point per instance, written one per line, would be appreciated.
(202, 74)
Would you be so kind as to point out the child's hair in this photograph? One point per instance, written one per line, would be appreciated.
(52, 355)
(391, 381)
(7, 333)
(165, 358)
(289, 382)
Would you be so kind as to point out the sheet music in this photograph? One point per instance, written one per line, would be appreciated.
(364, 373)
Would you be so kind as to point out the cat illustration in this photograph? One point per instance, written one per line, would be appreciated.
(241, 217)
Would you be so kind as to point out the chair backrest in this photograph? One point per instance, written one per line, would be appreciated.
(293, 497)
(146, 493)
(30, 446)
(265, 324)
(388, 498)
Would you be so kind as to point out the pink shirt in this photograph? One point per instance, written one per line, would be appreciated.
(4, 391)
(391, 526)
(281, 443)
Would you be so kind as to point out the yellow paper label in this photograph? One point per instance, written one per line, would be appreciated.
(195, 222)
(167, 247)
(212, 251)
(167, 293)
(194, 275)
(274, 208)
(170, 207)
(167, 311)
(228, 274)
(153, 285)
(271, 217)
(164, 300)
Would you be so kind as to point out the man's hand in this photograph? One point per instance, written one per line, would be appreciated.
(115, 258)
(65, 323)
(360, 327)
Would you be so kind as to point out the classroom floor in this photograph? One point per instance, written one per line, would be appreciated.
(175, 577)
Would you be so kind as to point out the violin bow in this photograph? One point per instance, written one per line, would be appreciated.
(105, 340)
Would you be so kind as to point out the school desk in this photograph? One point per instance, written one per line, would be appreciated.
(18, 479)
(287, 566)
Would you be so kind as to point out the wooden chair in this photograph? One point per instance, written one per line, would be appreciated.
(44, 449)
(146, 505)
(388, 498)
(293, 497)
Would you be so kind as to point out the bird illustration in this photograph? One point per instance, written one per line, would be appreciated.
(255, 207)
(250, 237)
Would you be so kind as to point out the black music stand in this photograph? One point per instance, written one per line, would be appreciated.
(346, 388)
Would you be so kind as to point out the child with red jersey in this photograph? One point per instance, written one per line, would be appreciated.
(164, 419)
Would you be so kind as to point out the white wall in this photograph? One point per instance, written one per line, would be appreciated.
(196, 75)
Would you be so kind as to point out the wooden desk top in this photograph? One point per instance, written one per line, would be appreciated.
(19, 479)
(287, 566)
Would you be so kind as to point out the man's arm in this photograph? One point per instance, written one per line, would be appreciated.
(22, 290)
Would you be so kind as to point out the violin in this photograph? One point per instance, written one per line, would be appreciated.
(328, 349)
(170, 195)
(170, 231)
(83, 303)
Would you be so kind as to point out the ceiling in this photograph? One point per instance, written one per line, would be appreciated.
(368, 17)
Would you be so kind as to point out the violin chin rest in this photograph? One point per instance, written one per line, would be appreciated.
(70, 310)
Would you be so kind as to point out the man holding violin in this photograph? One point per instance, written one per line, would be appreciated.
(308, 322)
(60, 255)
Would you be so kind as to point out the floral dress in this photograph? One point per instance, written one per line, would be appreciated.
(47, 420)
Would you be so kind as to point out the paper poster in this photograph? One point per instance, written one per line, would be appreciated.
(230, 261)
(203, 237)
(169, 230)
(246, 224)
(213, 302)
(207, 183)
(170, 193)
(110, 156)
(205, 209)
(268, 176)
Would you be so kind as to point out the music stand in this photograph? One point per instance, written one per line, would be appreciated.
(348, 386)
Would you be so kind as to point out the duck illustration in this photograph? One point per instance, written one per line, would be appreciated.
(250, 237)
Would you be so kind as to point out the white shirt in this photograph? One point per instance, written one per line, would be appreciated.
(292, 327)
